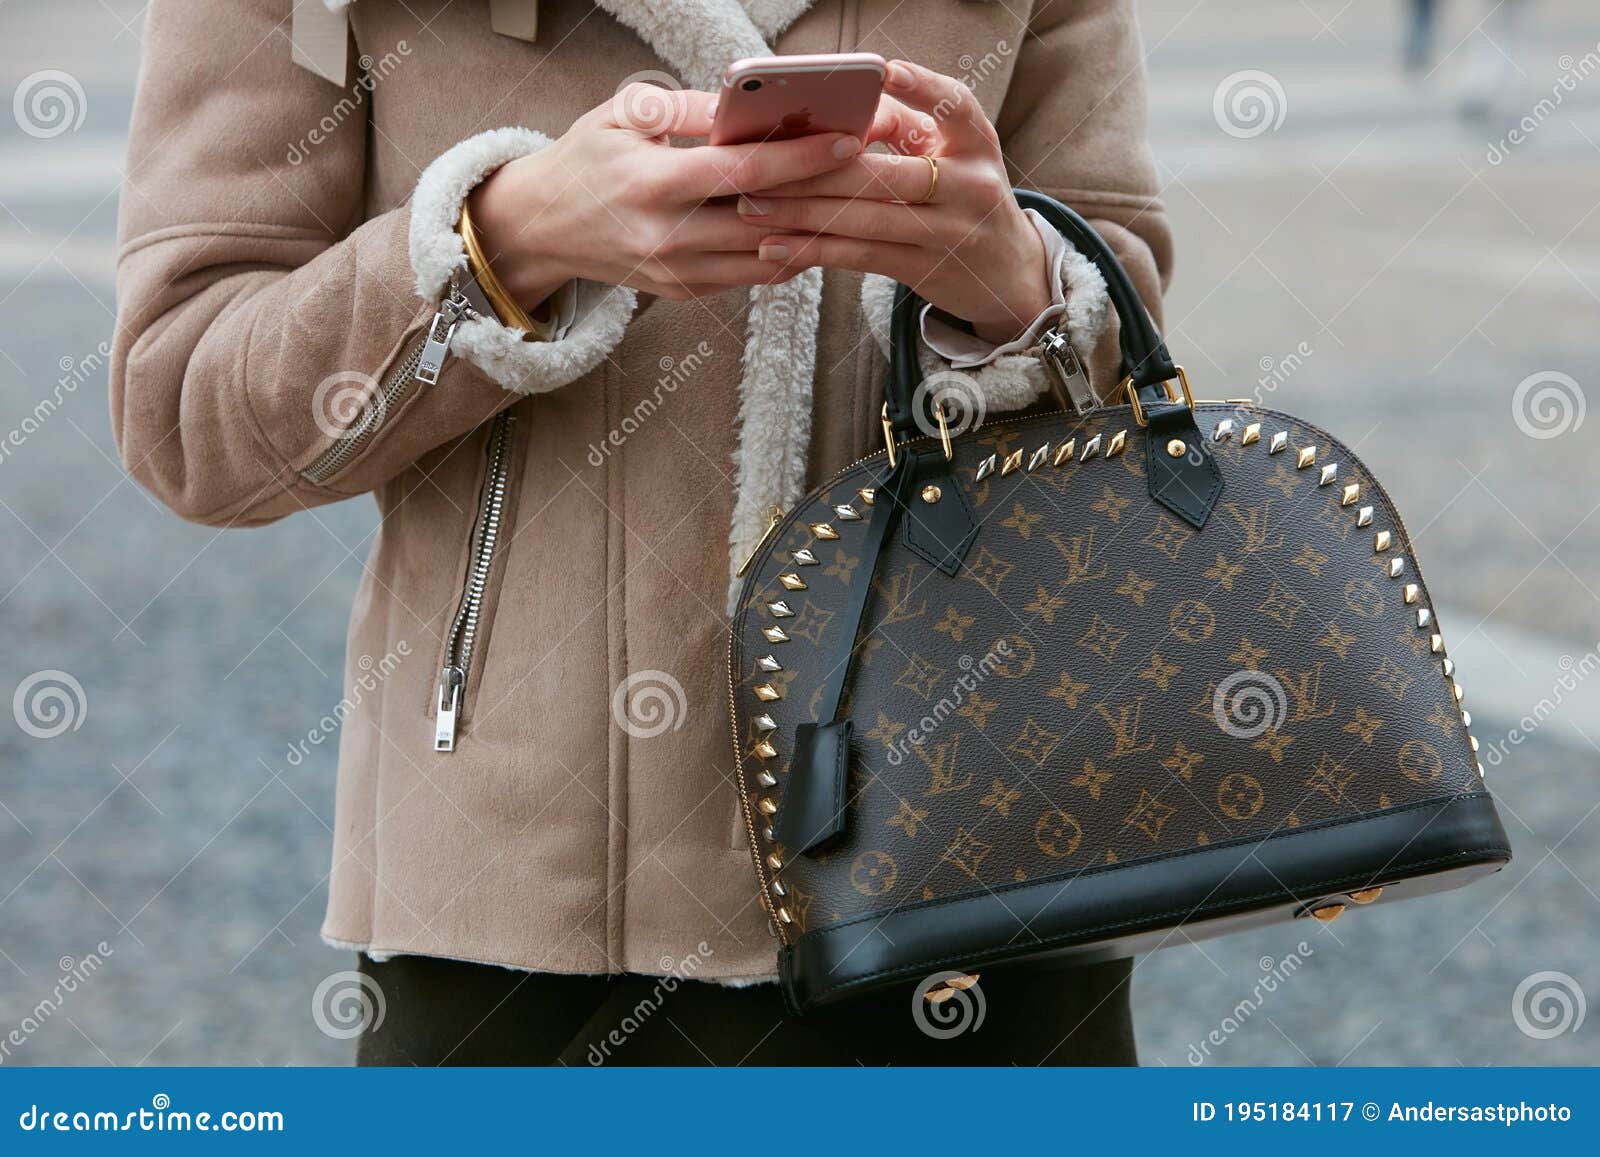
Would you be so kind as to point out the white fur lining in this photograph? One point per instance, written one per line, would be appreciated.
(1011, 381)
(437, 255)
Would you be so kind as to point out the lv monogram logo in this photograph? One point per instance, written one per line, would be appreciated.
(1253, 523)
(896, 590)
(941, 763)
(1306, 691)
(1079, 554)
(1124, 723)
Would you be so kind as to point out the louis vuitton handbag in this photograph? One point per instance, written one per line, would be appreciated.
(1069, 683)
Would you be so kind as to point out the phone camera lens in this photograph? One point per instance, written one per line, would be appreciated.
(750, 85)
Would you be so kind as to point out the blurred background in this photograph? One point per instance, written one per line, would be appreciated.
(1387, 223)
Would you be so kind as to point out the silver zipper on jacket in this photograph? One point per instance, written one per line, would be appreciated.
(464, 628)
(422, 363)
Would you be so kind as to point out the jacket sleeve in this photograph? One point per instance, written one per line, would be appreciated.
(1073, 126)
(263, 316)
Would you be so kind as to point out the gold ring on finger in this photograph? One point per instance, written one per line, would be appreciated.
(933, 180)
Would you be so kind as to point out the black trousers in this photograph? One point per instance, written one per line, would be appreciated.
(445, 1012)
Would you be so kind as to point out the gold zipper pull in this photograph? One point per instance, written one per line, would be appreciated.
(776, 515)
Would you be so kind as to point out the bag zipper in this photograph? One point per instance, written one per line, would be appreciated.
(1066, 366)
(422, 363)
(464, 627)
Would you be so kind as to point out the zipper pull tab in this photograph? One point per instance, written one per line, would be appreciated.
(444, 723)
(440, 331)
(1067, 369)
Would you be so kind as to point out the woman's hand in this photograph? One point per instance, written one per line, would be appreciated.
(970, 249)
(612, 201)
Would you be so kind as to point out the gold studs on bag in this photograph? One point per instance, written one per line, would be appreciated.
(1064, 452)
(1251, 435)
(774, 635)
(1118, 440)
(1176, 448)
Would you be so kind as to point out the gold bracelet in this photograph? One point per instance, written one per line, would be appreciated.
(505, 306)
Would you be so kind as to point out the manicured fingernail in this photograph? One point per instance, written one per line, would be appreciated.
(898, 75)
(772, 251)
(750, 207)
(846, 147)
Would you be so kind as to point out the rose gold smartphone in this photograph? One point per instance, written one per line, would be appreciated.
(779, 97)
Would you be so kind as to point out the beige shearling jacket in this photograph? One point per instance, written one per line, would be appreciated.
(537, 772)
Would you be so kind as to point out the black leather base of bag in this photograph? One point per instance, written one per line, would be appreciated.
(1070, 684)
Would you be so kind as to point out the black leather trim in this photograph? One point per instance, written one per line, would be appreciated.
(1189, 484)
(940, 532)
(1430, 842)
(813, 810)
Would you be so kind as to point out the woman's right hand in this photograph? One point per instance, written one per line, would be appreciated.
(613, 201)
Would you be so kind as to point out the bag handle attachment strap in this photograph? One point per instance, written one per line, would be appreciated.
(1187, 485)
(919, 495)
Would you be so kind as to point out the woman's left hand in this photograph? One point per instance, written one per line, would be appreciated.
(968, 248)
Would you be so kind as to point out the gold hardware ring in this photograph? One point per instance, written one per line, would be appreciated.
(1182, 393)
(944, 434)
(933, 180)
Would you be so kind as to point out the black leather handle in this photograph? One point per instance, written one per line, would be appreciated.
(1144, 353)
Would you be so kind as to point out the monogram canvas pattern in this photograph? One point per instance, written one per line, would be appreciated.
(1101, 682)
